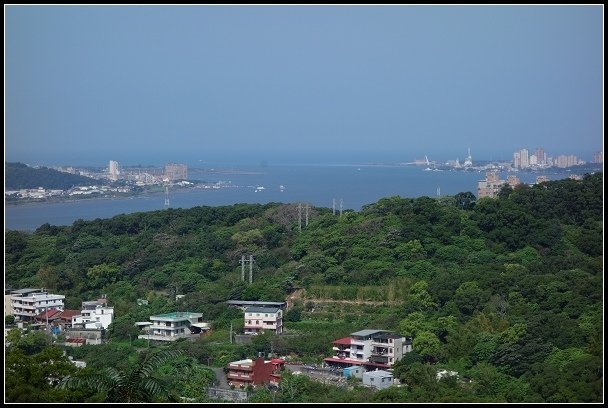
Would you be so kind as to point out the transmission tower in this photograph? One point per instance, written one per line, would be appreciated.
(341, 203)
(166, 197)
(334, 207)
(300, 217)
(307, 208)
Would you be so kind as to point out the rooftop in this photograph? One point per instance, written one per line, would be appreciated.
(379, 373)
(254, 303)
(177, 315)
(344, 340)
(365, 333)
(252, 309)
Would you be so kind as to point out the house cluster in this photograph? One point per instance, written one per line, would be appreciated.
(44, 310)
(369, 354)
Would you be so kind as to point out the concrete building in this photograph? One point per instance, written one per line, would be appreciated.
(94, 314)
(174, 326)
(113, 170)
(176, 171)
(249, 372)
(379, 379)
(370, 349)
(28, 303)
(262, 319)
(490, 186)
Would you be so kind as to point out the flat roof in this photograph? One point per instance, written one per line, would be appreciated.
(389, 336)
(177, 315)
(366, 332)
(378, 373)
(254, 303)
(247, 361)
(253, 309)
(25, 291)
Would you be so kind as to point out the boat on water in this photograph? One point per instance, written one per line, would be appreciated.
(259, 188)
(282, 188)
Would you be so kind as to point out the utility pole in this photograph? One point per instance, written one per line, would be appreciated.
(300, 217)
(341, 202)
(334, 207)
(243, 268)
(230, 332)
(307, 208)
(250, 269)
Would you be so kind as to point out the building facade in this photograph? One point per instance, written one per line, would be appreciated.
(490, 186)
(378, 379)
(261, 319)
(173, 326)
(176, 171)
(370, 349)
(28, 303)
(249, 372)
(94, 314)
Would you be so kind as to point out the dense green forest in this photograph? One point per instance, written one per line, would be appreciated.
(19, 175)
(505, 291)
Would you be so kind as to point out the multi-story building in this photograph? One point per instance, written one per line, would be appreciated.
(174, 326)
(541, 157)
(490, 186)
(261, 319)
(598, 157)
(176, 171)
(94, 314)
(370, 349)
(541, 179)
(113, 170)
(28, 303)
(513, 180)
(249, 372)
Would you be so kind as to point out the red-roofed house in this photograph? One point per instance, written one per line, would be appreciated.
(65, 319)
(51, 315)
(255, 372)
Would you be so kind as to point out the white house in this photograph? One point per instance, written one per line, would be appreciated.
(174, 326)
(261, 319)
(94, 315)
(28, 303)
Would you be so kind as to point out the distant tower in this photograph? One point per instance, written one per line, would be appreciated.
(334, 207)
(114, 170)
(167, 197)
(438, 192)
(469, 161)
(300, 217)
(307, 208)
(341, 202)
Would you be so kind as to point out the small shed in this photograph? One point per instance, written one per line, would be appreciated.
(353, 371)
(379, 379)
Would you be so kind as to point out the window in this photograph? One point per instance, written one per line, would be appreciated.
(257, 322)
(266, 315)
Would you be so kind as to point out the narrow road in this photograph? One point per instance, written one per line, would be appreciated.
(220, 377)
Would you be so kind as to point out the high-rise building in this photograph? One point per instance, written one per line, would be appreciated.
(516, 160)
(598, 157)
(541, 157)
(176, 171)
(525, 159)
(114, 170)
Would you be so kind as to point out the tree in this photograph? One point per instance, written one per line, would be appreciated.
(427, 345)
(139, 385)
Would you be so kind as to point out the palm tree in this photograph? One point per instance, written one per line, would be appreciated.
(137, 386)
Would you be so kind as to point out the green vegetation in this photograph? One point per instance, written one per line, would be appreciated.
(19, 176)
(507, 292)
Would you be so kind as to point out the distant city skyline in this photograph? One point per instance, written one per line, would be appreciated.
(206, 85)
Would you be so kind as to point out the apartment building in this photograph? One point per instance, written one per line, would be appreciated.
(254, 372)
(262, 319)
(28, 303)
(94, 314)
(490, 186)
(174, 326)
(371, 349)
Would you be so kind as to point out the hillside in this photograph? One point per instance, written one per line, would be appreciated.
(506, 291)
(20, 176)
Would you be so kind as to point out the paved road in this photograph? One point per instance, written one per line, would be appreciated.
(220, 377)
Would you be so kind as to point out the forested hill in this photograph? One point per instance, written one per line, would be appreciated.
(507, 292)
(19, 175)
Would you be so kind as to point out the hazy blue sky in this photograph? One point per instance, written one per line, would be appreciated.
(155, 84)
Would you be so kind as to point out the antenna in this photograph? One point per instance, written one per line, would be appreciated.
(307, 208)
(341, 202)
(167, 197)
(334, 206)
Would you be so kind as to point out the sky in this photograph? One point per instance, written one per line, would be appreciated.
(300, 84)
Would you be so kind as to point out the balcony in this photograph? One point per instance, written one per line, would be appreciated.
(239, 376)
